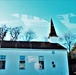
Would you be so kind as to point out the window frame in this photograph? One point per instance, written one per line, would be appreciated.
(22, 62)
(41, 62)
(2, 62)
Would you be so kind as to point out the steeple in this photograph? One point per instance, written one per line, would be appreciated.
(52, 30)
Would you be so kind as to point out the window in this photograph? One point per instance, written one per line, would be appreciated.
(22, 63)
(53, 52)
(53, 64)
(2, 61)
(41, 58)
(41, 62)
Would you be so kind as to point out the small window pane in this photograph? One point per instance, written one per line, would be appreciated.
(22, 64)
(2, 57)
(53, 52)
(2, 64)
(2, 61)
(22, 57)
(41, 65)
(52, 62)
(41, 58)
(54, 66)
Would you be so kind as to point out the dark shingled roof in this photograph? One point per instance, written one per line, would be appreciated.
(30, 45)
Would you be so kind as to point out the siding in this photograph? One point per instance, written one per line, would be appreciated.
(31, 62)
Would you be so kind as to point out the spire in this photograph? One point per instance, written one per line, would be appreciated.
(52, 30)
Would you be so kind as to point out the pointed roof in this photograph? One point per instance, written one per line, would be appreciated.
(52, 30)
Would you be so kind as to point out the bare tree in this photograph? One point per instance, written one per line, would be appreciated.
(72, 59)
(72, 53)
(68, 39)
(14, 32)
(29, 35)
(3, 31)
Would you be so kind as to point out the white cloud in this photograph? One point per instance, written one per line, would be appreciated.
(7, 21)
(72, 15)
(10, 23)
(15, 15)
(66, 21)
(28, 21)
(34, 23)
(31, 20)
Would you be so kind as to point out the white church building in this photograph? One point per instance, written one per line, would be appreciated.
(33, 58)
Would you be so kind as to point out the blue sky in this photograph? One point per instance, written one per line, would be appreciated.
(36, 15)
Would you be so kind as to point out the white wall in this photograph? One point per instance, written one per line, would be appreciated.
(31, 59)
